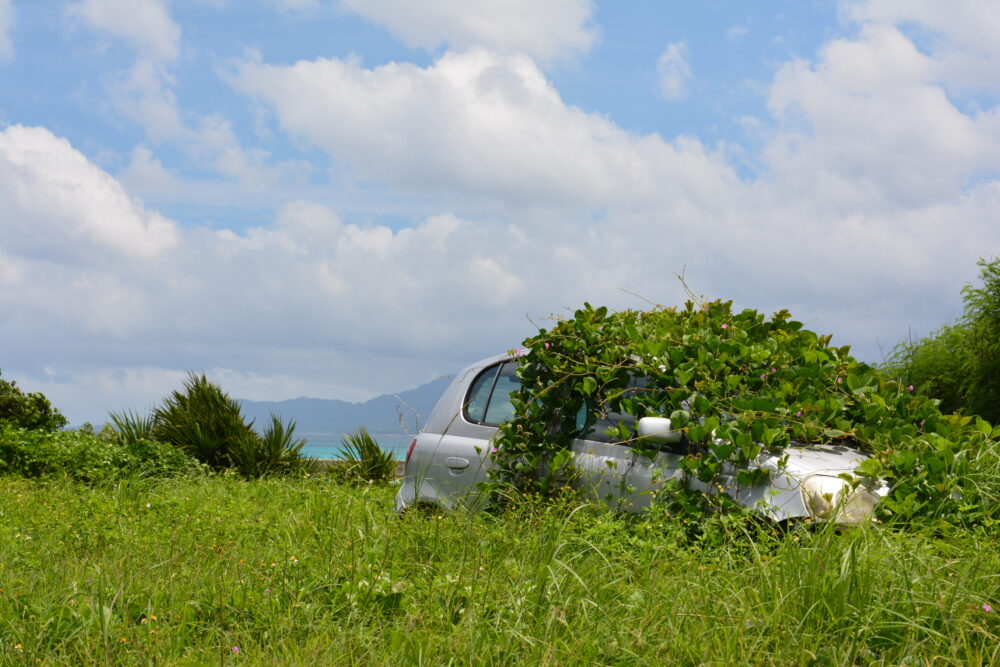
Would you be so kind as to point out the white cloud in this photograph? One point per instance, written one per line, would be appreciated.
(7, 21)
(874, 178)
(673, 71)
(144, 94)
(966, 49)
(477, 122)
(145, 24)
(545, 30)
(870, 116)
(56, 201)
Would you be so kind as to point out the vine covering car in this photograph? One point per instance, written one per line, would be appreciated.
(452, 455)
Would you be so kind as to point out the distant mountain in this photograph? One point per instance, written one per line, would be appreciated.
(328, 416)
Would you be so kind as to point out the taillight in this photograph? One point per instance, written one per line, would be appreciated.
(409, 452)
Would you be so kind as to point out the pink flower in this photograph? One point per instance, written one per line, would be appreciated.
(987, 608)
(839, 380)
(798, 414)
(725, 326)
(546, 346)
(236, 649)
(910, 387)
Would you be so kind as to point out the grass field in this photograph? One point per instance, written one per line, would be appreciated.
(219, 570)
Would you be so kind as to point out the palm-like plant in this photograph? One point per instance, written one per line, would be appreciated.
(203, 421)
(276, 450)
(364, 459)
(131, 427)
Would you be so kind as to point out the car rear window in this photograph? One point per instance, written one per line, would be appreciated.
(488, 401)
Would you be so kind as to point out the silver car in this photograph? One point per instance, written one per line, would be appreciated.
(452, 454)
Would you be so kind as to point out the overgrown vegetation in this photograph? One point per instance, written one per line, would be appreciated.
(364, 460)
(959, 364)
(305, 571)
(736, 382)
(31, 411)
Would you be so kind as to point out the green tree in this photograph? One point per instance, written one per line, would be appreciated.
(31, 411)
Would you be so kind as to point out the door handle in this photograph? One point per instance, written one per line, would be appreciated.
(456, 462)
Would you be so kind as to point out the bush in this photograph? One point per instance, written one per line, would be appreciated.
(275, 451)
(86, 456)
(32, 411)
(737, 382)
(364, 460)
(203, 421)
(206, 423)
(959, 364)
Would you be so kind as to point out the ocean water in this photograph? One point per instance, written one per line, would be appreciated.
(328, 445)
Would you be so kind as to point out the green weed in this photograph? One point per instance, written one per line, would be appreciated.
(307, 571)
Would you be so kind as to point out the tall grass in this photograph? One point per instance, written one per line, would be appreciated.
(311, 572)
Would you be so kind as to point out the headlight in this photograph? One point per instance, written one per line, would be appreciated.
(833, 499)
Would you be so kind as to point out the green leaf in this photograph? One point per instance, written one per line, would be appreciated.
(870, 468)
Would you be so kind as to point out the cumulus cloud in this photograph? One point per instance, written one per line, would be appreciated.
(479, 122)
(544, 30)
(673, 71)
(965, 49)
(7, 20)
(872, 176)
(55, 199)
(72, 240)
(872, 115)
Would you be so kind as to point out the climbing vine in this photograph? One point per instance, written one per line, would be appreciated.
(735, 383)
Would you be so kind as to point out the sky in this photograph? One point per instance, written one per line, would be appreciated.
(344, 198)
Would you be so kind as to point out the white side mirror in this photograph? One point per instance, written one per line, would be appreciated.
(657, 429)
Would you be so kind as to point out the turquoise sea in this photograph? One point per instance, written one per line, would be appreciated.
(328, 445)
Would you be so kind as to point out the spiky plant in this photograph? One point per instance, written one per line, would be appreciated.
(364, 459)
(203, 421)
(130, 427)
(276, 450)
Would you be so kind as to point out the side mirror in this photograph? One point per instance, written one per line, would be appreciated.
(657, 429)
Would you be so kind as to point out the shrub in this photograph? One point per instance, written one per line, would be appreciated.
(364, 460)
(959, 364)
(32, 411)
(86, 456)
(204, 422)
(275, 451)
(737, 382)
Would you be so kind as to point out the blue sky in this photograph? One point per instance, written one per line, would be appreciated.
(340, 198)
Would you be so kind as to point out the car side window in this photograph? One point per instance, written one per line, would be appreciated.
(606, 420)
(479, 394)
(488, 401)
(501, 408)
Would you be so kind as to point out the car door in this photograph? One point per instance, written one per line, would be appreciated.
(604, 466)
(461, 456)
